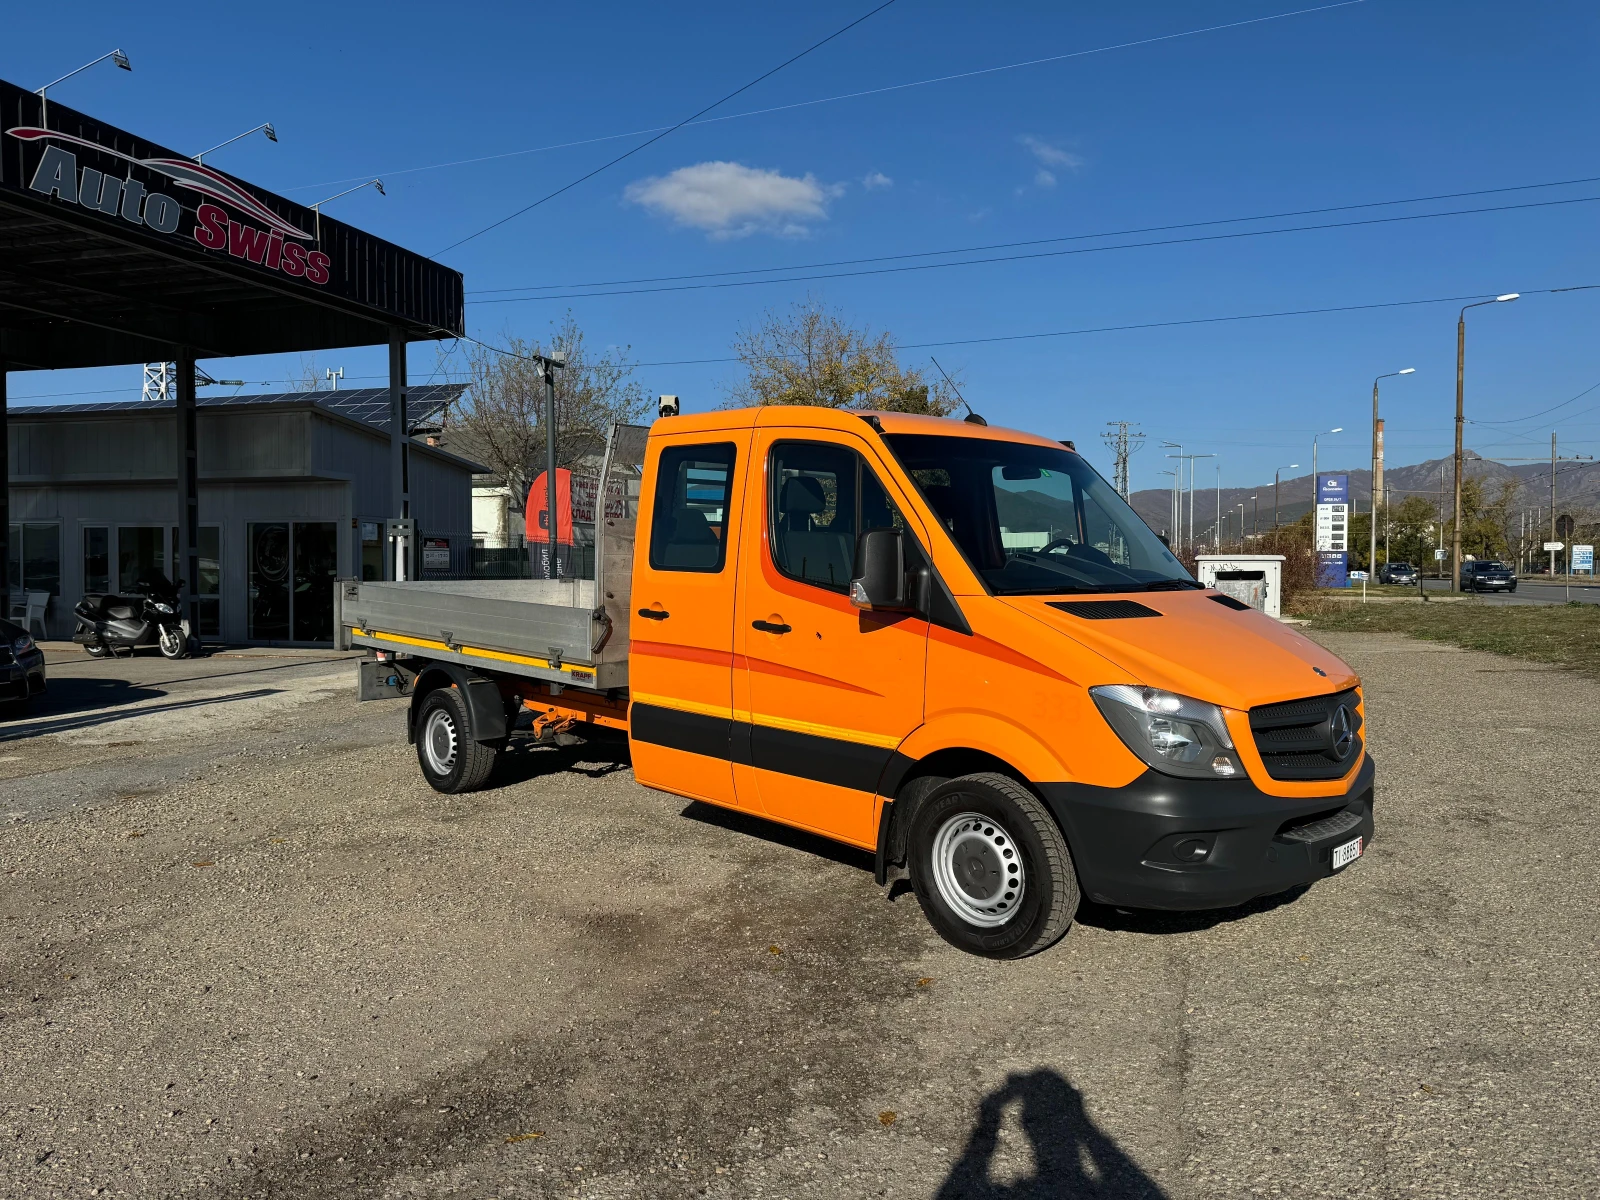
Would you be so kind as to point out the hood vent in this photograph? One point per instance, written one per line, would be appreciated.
(1104, 610)
(1229, 602)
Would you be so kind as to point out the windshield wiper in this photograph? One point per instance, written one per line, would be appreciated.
(1172, 585)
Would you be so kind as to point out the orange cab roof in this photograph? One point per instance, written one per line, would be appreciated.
(808, 416)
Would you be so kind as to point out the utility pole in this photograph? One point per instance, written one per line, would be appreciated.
(1461, 420)
(548, 366)
(1177, 492)
(1277, 483)
(1123, 443)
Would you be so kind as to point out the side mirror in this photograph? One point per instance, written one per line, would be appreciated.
(880, 572)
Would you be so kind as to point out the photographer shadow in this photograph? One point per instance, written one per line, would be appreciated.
(1073, 1158)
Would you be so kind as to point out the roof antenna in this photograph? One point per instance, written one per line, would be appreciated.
(971, 418)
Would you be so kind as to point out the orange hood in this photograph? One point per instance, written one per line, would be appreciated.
(1198, 648)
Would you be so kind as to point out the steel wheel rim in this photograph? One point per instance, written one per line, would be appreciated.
(439, 742)
(171, 643)
(978, 870)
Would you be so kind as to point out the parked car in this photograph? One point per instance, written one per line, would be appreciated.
(1397, 572)
(1487, 575)
(21, 667)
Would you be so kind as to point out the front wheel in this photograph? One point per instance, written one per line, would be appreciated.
(101, 651)
(991, 867)
(171, 642)
(451, 761)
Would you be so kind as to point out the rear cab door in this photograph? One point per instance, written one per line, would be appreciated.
(827, 692)
(680, 666)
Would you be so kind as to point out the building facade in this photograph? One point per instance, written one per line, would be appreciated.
(294, 493)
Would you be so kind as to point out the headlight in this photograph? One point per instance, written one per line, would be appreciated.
(23, 644)
(161, 607)
(1173, 734)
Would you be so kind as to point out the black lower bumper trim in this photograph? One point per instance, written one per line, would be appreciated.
(1172, 843)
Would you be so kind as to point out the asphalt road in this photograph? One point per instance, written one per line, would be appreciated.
(276, 965)
(1529, 592)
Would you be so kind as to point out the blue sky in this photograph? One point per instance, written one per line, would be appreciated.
(1369, 101)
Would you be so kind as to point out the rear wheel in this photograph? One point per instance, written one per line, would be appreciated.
(451, 761)
(97, 651)
(991, 868)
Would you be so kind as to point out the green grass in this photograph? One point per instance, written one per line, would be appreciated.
(1564, 634)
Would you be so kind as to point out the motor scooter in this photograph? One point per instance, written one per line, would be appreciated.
(109, 623)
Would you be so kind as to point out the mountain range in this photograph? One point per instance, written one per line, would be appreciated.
(1577, 492)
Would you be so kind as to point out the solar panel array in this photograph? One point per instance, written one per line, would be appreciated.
(367, 405)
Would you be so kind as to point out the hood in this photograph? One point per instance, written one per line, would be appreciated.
(1198, 647)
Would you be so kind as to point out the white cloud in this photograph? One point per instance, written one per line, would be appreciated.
(730, 200)
(1049, 153)
(1044, 179)
(876, 179)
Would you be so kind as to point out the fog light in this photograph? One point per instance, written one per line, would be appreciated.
(1192, 850)
(1223, 765)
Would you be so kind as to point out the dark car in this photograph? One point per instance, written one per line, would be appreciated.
(1397, 572)
(1486, 575)
(21, 667)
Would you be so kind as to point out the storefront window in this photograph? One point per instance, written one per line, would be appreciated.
(35, 558)
(208, 596)
(292, 569)
(141, 551)
(96, 559)
(269, 582)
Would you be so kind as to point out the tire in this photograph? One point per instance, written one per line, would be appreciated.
(969, 834)
(171, 643)
(451, 761)
(98, 651)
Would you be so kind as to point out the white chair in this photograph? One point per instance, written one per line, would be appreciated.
(31, 610)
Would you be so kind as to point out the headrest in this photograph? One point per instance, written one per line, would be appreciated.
(802, 494)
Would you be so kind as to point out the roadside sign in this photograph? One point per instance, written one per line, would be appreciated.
(1555, 545)
(1358, 575)
(1439, 554)
(1583, 558)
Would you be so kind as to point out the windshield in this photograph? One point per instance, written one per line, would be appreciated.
(1036, 520)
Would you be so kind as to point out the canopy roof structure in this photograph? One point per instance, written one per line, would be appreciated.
(116, 250)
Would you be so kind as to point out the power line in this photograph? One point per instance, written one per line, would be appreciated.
(1233, 318)
(1076, 237)
(1040, 254)
(893, 87)
(670, 129)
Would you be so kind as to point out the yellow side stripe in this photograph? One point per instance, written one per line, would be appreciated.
(860, 737)
(474, 651)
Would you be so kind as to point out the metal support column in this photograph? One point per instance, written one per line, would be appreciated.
(188, 465)
(399, 454)
(5, 498)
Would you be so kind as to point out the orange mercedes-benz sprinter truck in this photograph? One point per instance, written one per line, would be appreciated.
(957, 647)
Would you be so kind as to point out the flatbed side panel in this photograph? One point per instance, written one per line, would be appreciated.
(602, 678)
(499, 620)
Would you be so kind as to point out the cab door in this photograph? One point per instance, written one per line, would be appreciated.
(680, 650)
(828, 691)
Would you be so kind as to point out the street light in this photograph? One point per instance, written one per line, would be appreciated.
(272, 136)
(1277, 481)
(116, 56)
(1376, 480)
(1461, 374)
(1314, 437)
(317, 207)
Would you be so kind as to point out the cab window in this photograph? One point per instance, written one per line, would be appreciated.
(689, 524)
(822, 497)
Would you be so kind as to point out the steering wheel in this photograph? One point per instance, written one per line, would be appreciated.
(1059, 543)
(1078, 550)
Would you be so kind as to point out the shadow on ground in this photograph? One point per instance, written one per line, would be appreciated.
(1102, 916)
(1073, 1159)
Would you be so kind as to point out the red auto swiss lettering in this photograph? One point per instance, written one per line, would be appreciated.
(246, 241)
(293, 261)
(317, 267)
(211, 227)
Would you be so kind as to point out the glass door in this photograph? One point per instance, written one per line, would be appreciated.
(316, 566)
(292, 569)
(209, 596)
(141, 552)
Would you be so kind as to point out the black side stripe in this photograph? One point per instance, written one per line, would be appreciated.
(802, 755)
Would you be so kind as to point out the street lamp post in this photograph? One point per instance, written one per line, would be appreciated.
(1314, 437)
(116, 56)
(317, 207)
(272, 136)
(1177, 489)
(1377, 469)
(1461, 375)
(1277, 482)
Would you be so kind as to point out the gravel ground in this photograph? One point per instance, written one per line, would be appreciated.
(280, 966)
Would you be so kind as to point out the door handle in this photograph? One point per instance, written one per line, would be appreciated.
(654, 614)
(770, 627)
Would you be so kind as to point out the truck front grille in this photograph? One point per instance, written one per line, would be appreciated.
(1311, 739)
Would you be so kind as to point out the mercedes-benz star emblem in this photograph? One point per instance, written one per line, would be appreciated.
(1344, 738)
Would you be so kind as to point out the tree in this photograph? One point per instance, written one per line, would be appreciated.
(812, 355)
(501, 416)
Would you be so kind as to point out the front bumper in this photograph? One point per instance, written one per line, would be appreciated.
(1132, 844)
(22, 679)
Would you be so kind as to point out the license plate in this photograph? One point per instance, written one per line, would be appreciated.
(1346, 854)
